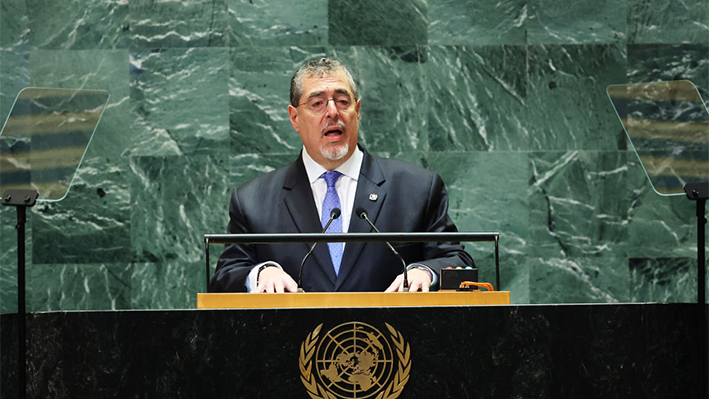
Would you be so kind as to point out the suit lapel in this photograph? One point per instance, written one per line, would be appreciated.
(368, 188)
(298, 199)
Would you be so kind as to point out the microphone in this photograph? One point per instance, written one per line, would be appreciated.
(363, 215)
(334, 214)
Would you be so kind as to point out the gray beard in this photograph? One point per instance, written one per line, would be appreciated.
(335, 153)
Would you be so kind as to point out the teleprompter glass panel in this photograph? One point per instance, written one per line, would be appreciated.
(668, 126)
(45, 138)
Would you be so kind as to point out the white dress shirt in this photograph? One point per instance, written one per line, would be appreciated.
(346, 187)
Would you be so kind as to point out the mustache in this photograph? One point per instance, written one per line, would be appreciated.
(339, 124)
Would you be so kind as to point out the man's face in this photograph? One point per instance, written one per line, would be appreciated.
(327, 119)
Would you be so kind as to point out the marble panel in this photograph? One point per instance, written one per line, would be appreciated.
(14, 76)
(175, 200)
(8, 257)
(259, 97)
(576, 21)
(166, 285)
(418, 158)
(373, 22)
(579, 280)
(664, 280)
(179, 101)
(261, 23)
(477, 98)
(487, 192)
(245, 167)
(78, 287)
(567, 103)
(188, 23)
(658, 226)
(487, 22)
(391, 83)
(668, 21)
(92, 224)
(667, 62)
(14, 25)
(91, 69)
(514, 273)
(578, 204)
(661, 226)
(79, 24)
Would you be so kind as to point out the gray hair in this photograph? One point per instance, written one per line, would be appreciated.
(319, 67)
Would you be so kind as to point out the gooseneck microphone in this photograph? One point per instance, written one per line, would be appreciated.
(334, 214)
(363, 215)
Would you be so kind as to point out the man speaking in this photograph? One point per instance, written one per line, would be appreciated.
(334, 173)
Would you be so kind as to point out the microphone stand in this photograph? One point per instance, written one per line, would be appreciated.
(363, 215)
(334, 214)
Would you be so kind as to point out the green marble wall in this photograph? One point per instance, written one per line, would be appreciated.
(505, 99)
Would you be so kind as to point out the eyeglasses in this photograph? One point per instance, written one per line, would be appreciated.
(318, 105)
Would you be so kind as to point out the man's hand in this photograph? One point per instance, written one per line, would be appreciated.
(419, 280)
(273, 279)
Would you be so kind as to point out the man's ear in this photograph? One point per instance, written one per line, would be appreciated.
(293, 115)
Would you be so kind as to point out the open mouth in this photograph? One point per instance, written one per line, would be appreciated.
(334, 130)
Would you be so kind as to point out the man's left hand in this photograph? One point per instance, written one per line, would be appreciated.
(419, 280)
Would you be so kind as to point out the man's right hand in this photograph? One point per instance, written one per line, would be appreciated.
(273, 279)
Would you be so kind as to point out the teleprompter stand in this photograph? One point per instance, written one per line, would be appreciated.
(699, 192)
(666, 123)
(42, 144)
(21, 199)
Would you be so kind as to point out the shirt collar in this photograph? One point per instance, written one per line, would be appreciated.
(349, 168)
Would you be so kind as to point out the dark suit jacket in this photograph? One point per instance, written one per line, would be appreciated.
(409, 199)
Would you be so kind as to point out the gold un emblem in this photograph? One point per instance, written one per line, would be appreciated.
(354, 360)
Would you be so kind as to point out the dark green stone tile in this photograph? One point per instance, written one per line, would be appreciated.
(54, 287)
(658, 226)
(96, 70)
(90, 225)
(418, 158)
(477, 98)
(514, 275)
(392, 90)
(245, 167)
(373, 22)
(487, 22)
(578, 204)
(567, 103)
(664, 280)
(83, 24)
(668, 21)
(14, 25)
(259, 97)
(179, 99)
(579, 280)
(166, 285)
(174, 202)
(261, 23)
(14, 76)
(166, 24)
(576, 22)
(8, 257)
(667, 62)
(487, 193)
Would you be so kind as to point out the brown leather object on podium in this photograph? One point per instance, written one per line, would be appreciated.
(350, 299)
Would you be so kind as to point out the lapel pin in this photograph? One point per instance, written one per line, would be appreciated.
(373, 197)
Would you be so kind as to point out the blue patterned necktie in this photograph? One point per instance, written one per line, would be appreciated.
(332, 200)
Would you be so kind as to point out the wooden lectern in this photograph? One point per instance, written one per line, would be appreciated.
(350, 299)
